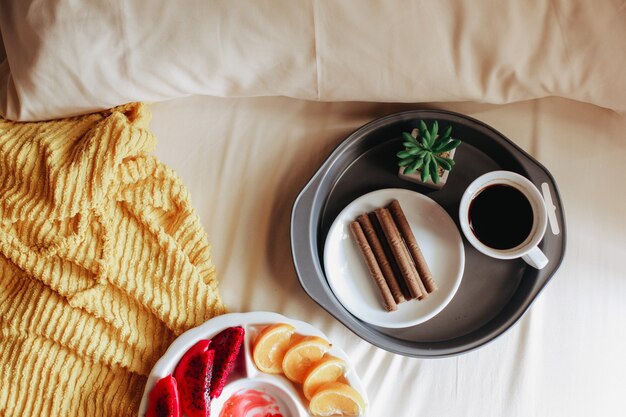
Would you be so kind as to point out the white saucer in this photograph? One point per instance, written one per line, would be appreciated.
(439, 240)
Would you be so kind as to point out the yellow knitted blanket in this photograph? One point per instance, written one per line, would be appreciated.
(103, 261)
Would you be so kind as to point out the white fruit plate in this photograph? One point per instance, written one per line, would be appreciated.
(245, 376)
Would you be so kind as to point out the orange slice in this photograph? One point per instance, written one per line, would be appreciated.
(329, 369)
(301, 355)
(337, 398)
(270, 347)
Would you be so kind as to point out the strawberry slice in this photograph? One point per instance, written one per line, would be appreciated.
(226, 344)
(163, 399)
(193, 374)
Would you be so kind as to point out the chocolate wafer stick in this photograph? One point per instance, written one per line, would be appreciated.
(381, 257)
(400, 252)
(357, 232)
(387, 249)
(405, 231)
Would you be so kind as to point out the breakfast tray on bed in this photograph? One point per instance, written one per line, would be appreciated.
(493, 293)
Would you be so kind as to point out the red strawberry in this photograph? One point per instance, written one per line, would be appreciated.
(193, 374)
(163, 399)
(226, 345)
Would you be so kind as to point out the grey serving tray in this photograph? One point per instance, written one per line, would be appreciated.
(493, 294)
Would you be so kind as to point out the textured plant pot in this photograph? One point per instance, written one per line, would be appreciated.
(416, 176)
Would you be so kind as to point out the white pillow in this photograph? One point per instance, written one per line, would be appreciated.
(67, 57)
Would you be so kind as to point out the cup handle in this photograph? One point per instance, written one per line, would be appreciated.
(535, 258)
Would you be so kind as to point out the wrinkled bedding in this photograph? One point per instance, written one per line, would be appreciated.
(248, 111)
(69, 57)
(245, 160)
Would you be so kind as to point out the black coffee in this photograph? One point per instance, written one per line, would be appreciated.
(500, 216)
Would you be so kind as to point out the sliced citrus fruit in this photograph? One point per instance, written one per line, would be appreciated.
(328, 369)
(270, 347)
(301, 355)
(337, 398)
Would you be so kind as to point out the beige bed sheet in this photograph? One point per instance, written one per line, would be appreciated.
(245, 160)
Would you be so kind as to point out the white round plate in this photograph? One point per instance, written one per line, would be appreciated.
(245, 374)
(439, 240)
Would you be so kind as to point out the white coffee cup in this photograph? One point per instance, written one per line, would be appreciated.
(527, 250)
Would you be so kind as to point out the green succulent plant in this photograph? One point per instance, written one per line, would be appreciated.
(425, 152)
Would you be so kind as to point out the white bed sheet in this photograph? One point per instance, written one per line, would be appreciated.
(245, 160)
